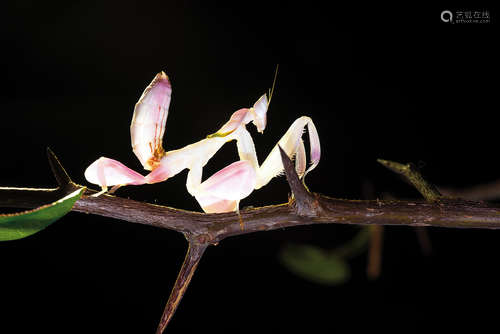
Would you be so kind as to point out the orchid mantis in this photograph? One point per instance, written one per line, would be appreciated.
(222, 191)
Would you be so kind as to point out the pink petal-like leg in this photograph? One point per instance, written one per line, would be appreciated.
(222, 191)
(107, 172)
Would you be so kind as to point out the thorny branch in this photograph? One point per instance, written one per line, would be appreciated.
(303, 208)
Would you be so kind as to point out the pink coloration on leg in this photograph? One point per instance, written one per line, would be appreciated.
(108, 172)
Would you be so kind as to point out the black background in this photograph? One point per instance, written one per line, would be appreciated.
(389, 82)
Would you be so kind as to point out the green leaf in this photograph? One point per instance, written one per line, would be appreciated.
(315, 265)
(20, 225)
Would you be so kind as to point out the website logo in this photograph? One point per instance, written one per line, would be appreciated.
(466, 16)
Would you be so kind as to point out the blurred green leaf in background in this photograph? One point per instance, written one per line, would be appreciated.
(322, 266)
(315, 264)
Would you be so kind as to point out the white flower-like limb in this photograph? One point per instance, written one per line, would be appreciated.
(222, 191)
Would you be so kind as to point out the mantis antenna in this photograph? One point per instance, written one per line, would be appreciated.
(271, 91)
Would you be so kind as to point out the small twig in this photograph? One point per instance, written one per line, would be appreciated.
(412, 174)
(193, 256)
